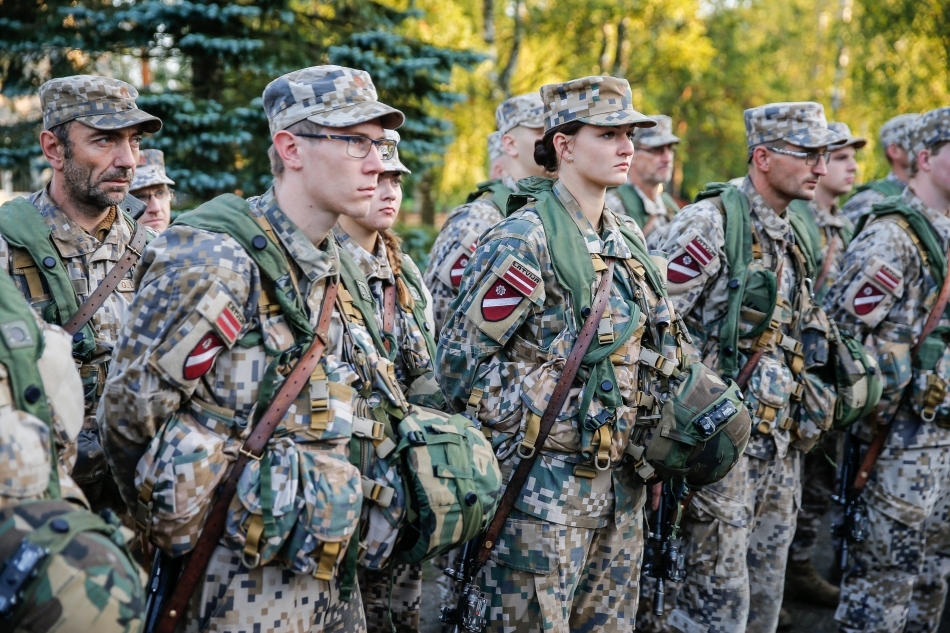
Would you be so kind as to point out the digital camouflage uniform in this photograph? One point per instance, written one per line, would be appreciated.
(484, 209)
(495, 149)
(398, 607)
(187, 380)
(894, 132)
(105, 104)
(569, 555)
(836, 231)
(884, 295)
(738, 530)
(650, 215)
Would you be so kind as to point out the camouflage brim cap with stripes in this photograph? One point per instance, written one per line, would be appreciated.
(598, 100)
(526, 110)
(333, 96)
(857, 142)
(657, 136)
(800, 123)
(929, 129)
(394, 164)
(150, 170)
(894, 132)
(495, 149)
(99, 102)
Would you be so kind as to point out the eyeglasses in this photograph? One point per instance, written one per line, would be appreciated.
(811, 158)
(159, 194)
(658, 151)
(358, 146)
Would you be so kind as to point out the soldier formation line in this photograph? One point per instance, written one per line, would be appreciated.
(595, 410)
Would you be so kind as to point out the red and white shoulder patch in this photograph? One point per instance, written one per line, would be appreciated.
(201, 358)
(696, 256)
(458, 267)
(225, 317)
(682, 269)
(867, 298)
(500, 301)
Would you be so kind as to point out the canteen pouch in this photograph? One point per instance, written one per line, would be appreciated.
(177, 476)
(816, 414)
(452, 480)
(265, 507)
(930, 385)
(858, 378)
(769, 390)
(24, 455)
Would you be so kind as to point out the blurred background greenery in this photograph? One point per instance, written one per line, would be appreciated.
(202, 65)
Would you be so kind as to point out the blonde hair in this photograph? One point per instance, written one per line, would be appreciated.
(394, 252)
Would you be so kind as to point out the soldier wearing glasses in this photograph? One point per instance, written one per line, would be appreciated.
(150, 185)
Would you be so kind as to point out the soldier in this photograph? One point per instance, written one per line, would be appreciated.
(496, 170)
(519, 123)
(570, 552)
(739, 529)
(897, 152)
(229, 296)
(81, 583)
(150, 185)
(61, 244)
(403, 309)
(891, 275)
(642, 196)
(802, 580)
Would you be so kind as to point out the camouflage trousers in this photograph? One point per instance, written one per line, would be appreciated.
(818, 484)
(549, 577)
(448, 588)
(897, 580)
(738, 531)
(268, 599)
(391, 598)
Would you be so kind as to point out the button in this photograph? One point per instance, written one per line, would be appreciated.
(259, 242)
(78, 337)
(471, 499)
(49, 262)
(426, 326)
(734, 284)
(607, 386)
(728, 351)
(59, 525)
(585, 311)
(32, 394)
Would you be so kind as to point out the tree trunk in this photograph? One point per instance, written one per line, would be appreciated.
(426, 203)
(504, 79)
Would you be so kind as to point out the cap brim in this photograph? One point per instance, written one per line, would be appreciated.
(395, 165)
(390, 118)
(121, 120)
(815, 138)
(150, 181)
(658, 141)
(856, 142)
(619, 117)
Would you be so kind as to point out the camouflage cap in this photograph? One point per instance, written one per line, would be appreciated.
(150, 170)
(801, 123)
(526, 110)
(333, 96)
(394, 164)
(495, 150)
(894, 132)
(857, 142)
(99, 102)
(596, 100)
(929, 129)
(657, 136)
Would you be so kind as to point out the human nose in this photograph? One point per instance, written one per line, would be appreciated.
(373, 163)
(153, 206)
(126, 154)
(821, 167)
(626, 146)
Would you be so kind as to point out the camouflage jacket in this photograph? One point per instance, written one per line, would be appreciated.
(188, 376)
(503, 349)
(884, 295)
(453, 248)
(698, 278)
(658, 210)
(860, 203)
(832, 223)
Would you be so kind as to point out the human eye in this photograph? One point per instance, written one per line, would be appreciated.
(630, 136)
(609, 134)
(360, 144)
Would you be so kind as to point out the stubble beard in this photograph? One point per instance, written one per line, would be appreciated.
(92, 199)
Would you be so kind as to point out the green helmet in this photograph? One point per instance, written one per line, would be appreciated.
(65, 569)
(704, 427)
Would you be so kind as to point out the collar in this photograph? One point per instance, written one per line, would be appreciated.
(652, 207)
(774, 224)
(893, 178)
(373, 266)
(938, 219)
(827, 217)
(610, 242)
(71, 239)
(315, 262)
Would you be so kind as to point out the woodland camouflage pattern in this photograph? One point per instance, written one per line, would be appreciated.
(150, 170)
(592, 100)
(526, 110)
(801, 123)
(99, 102)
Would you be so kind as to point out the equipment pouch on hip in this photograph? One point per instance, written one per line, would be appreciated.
(930, 385)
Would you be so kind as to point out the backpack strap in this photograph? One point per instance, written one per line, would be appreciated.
(499, 193)
(883, 186)
(632, 204)
(361, 299)
(419, 304)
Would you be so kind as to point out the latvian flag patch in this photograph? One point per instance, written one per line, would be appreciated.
(887, 278)
(229, 323)
(201, 358)
(515, 283)
(867, 298)
(689, 264)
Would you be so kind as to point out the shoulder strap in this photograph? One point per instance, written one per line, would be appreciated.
(354, 281)
(642, 255)
(253, 448)
(389, 313)
(418, 305)
(518, 478)
(499, 193)
(918, 227)
(807, 234)
(632, 204)
(883, 186)
(21, 345)
(231, 215)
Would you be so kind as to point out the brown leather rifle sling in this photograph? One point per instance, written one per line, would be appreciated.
(880, 435)
(133, 252)
(558, 398)
(389, 312)
(253, 449)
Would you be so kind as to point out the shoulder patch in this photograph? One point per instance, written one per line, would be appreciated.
(506, 294)
(695, 257)
(872, 291)
(454, 265)
(201, 358)
(224, 316)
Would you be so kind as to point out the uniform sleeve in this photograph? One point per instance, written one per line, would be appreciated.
(501, 288)
(866, 299)
(194, 300)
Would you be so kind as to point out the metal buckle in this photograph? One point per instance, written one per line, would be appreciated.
(248, 453)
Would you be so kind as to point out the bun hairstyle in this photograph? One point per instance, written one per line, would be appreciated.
(544, 152)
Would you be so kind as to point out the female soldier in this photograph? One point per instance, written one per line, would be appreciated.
(404, 315)
(569, 555)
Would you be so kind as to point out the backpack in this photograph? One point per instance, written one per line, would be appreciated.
(633, 204)
(499, 193)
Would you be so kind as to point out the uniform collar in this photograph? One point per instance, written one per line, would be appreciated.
(316, 262)
(71, 240)
(827, 217)
(510, 182)
(938, 219)
(774, 224)
(652, 207)
(891, 176)
(610, 242)
(374, 266)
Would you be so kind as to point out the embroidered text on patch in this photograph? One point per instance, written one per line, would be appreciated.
(201, 358)
(700, 249)
(888, 278)
(229, 323)
(521, 278)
